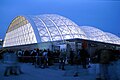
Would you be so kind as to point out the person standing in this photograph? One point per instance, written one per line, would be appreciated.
(62, 58)
(33, 56)
(11, 63)
(45, 59)
(20, 54)
(84, 55)
(71, 57)
(104, 60)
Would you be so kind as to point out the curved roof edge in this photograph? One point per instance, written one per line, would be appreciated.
(34, 28)
(99, 34)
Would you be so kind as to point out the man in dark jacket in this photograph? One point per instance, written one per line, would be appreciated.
(84, 55)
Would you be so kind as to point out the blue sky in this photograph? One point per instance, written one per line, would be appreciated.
(102, 14)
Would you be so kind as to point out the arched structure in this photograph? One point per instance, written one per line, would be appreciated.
(25, 30)
(41, 28)
(20, 32)
(96, 34)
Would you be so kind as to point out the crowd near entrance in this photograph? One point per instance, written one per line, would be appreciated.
(79, 53)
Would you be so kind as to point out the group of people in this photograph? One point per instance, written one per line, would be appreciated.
(81, 57)
(45, 58)
(39, 58)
